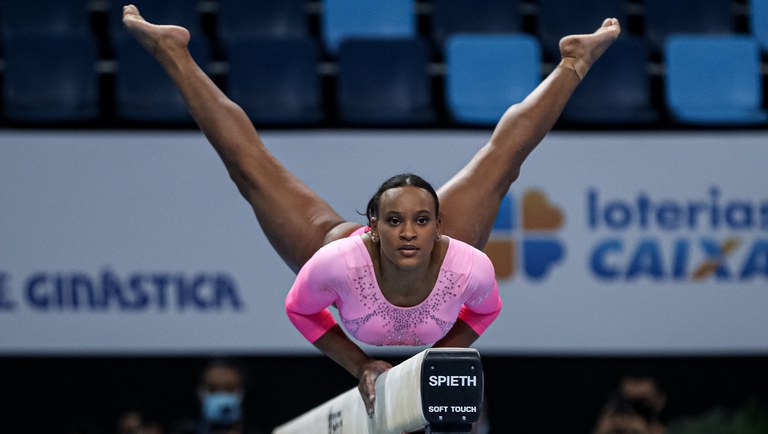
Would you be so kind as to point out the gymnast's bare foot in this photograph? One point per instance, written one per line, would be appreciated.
(159, 40)
(579, 52)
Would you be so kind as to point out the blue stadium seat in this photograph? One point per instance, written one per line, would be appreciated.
(617, 90)
(478, 16)
(53, 17)
(558, 18)
(50, 78)
(714, 80)
(343, 19)
(488, 73)
(248, 19)
(664, 18)
(384, 81)
(276, 80)
(143, 91)
(758, 18)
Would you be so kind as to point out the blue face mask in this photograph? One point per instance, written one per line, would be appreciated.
(222, 408)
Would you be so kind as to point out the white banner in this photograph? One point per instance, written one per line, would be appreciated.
(609, 243)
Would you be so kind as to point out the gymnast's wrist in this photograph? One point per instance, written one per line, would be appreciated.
(361, 368)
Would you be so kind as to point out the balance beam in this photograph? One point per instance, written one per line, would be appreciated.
(440, 389)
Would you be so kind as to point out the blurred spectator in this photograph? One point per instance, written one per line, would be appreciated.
(622, 415)
(646, 390)
(221, 390)
(129, 423)
(137, 422)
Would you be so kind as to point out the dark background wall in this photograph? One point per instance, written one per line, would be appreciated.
(526, 394)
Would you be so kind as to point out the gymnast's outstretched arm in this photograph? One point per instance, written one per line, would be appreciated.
(336, 345)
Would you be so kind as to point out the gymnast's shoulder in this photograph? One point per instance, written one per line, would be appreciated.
(340, 255)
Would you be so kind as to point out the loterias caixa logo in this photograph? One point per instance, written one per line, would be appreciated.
(713, 235)
(525, 235)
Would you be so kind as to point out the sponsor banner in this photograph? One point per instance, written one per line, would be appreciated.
(609, 243)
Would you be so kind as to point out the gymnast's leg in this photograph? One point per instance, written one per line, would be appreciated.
(470, 200)
(296, 220)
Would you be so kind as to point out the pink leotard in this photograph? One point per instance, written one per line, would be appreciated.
(341, 273)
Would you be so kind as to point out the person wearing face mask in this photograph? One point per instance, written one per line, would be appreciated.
(221, 391)
(415, 274)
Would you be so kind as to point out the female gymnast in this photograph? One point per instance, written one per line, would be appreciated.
(414, 275)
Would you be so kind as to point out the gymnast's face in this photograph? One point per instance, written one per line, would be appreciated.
(407, 226)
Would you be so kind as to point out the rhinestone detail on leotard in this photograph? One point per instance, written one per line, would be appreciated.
(401, 324)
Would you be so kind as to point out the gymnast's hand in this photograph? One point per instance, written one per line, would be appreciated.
(368, 373)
